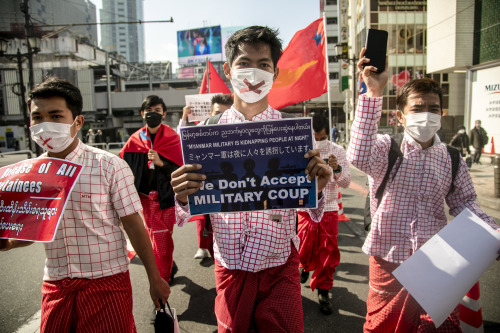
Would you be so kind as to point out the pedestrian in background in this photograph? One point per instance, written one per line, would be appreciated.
(461, 141)
(256, 258)
(411, 210)
(153, 153)
(319, 249)
(86, 284)
(478, 139)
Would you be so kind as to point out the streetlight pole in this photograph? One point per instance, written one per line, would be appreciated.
(343, 54)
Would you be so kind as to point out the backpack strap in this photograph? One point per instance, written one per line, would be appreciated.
(395, 154)
(213, 120)
(455, 163)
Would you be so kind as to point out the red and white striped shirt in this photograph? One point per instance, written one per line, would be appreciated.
(412, 209)
(342, 179)
(89, 241)
(251, 241)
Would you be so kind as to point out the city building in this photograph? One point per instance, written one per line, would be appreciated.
(51, 15)
(126, 40)
(463, 44)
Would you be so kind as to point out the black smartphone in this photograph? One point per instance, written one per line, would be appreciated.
(376, 47)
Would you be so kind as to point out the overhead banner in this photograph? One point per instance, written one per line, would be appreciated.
(251, 166)
(33, 196)
(194, 46)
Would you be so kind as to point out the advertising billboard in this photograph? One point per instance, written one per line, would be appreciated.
(195, 45)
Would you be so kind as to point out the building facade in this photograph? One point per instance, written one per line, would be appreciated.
(463, 44)
(51, 15)
(127, 40)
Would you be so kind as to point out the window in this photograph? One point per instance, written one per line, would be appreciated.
(334, 76)
(332, 59)
(332, 40)
(331, 2)
(331, 20)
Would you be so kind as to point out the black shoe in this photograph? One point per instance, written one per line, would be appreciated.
(172, 274)
(303, 275)
(325, 305)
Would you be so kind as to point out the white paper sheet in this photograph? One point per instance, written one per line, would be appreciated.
(444, 269)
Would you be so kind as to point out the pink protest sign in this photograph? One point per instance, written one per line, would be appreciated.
(33, 196)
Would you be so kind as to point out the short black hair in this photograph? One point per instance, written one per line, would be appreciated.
(55, 87)
(319, 123)
(224, 99)
(254, 36)
(153, 100)
(420, 87)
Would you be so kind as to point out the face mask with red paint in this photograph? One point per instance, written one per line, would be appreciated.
(251, 84)
(54, 137)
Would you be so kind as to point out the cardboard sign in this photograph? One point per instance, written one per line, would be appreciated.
(33, 196)
(251, 166)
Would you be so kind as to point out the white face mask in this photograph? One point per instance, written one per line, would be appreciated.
(462, 131)
(321, 144)
(251, 84)
(422, 125)
(54, 137)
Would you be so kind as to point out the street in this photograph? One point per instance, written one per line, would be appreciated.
(194, 290)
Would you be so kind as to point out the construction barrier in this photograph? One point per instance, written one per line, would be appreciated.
(471, 317)
(342, 216)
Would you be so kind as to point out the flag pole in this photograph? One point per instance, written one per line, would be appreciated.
(208, 74)
(328, 82)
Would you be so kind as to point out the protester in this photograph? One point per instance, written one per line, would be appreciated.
(256, 275)
(153, 153)
(461, 141)
(412, 208)
(478, 139)
(319, 250)
(219, 104)
(86, 284)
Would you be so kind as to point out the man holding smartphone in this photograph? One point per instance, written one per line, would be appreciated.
(411, 210)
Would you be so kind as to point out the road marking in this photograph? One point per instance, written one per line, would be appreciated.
(32, 325)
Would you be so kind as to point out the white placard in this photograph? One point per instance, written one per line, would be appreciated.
(444, 269)
(201, 104)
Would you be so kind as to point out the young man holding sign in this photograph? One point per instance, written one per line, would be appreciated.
(256, 272)
(86, 281)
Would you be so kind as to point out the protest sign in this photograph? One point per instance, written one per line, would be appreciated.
(202, 106)
(251, 166)
(33, 196)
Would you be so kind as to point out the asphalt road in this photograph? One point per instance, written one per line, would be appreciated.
(194, 290)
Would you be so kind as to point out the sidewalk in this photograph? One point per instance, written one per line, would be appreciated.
(482, 177)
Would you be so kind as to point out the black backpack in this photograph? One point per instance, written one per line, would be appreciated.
(395, 155)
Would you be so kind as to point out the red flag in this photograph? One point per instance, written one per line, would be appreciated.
(217, 85)
(302, 68)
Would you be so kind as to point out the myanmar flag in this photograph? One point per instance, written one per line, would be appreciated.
(302, 68)
(217, 85)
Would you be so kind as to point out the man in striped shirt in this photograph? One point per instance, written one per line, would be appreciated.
(411, 210)
(256, 259)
